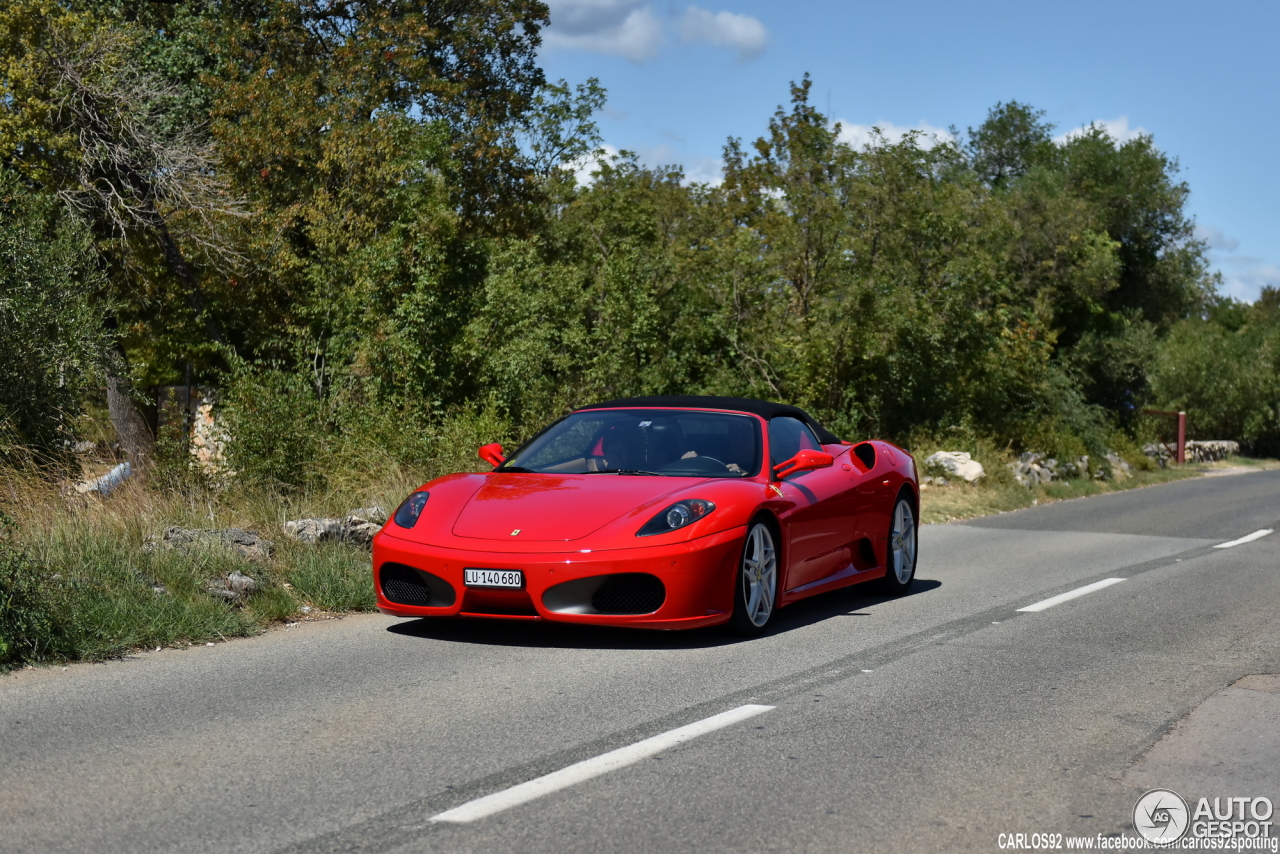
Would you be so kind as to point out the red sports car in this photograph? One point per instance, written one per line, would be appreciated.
(658, 513)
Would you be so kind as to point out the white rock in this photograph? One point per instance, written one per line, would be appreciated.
(241, 583)
(314, 530)
(369, 514)
(958, 463)
(356, 527)
(1120, 470)
(246, 543)
(237, 585)
(109, 481)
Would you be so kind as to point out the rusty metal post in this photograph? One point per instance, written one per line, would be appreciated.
(1182, 438)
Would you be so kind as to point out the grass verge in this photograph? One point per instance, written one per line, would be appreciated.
(81, 579)
(958, 501)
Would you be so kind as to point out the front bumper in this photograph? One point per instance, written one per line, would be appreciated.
(697, 577)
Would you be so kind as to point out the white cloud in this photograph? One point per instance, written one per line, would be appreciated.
(1117, 129)
(704, 170)
(585, 167)
(1247, 284)
(631, 28)
(627, 28)
(1237, 261)
(1243, 276)
(697, 169)
(1215, 239)
(724, 29)
(860, 136)
(583, 17)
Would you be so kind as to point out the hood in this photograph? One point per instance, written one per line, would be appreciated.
(545, 507)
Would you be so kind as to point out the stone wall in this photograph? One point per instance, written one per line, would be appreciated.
(1198, 451)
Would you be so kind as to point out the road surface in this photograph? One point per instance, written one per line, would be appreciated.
(934, 722)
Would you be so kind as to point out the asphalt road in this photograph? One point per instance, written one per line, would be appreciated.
(933, 722)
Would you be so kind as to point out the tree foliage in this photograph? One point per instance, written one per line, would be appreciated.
(369, 209)
(51, 343)
(1223, 369)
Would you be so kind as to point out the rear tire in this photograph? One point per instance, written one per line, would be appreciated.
(755, 587)
(901, 549)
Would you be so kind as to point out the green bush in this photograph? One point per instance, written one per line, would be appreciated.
(1223, 370)
(29, 630)
(51, 335)
(276, 425)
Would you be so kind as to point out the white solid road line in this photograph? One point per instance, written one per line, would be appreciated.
(595, 766)
(1071, 594)
(1256, 535)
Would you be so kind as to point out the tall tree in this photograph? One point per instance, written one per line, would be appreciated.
(82, 119)
(51, 341)
(1013, 139)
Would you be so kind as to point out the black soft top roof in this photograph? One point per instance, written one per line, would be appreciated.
(763, 408)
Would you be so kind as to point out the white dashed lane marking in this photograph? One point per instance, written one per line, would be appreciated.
(595, 766)
(1071, 594)
(1256, 535)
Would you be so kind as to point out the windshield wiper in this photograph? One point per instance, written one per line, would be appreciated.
(627, 471)
(518, 469)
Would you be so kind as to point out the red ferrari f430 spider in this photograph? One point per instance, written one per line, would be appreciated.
(658, 513)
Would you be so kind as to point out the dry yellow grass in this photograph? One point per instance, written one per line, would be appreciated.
(958, 501)
(81, 581)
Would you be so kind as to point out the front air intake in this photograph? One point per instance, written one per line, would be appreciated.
(405, 585)
(633, 593)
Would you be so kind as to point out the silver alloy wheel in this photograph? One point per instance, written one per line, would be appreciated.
(759, 575)
(902, 542)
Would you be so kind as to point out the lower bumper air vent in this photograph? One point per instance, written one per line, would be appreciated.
(405, 585)
(633, 593)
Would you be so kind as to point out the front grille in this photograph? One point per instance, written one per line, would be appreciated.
(404, 585)
(634, 593)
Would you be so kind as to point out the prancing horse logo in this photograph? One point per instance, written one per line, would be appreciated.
(516, 531)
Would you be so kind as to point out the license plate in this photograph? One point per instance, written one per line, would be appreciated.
(493, 578)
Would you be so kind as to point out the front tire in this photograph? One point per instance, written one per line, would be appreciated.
(901, 550)
(756, 584)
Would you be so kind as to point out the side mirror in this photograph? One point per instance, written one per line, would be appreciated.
(803, 461)
(492, 454)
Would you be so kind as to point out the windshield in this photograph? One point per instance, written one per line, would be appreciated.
(677, 443)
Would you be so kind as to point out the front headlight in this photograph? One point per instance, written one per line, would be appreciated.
(676, 516)
(407, 513)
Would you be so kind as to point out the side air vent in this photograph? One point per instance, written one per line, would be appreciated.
(405, 585)
(866, 452)
(864, 555)
(633, 593)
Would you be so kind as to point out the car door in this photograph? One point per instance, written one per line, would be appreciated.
(875, 489)
(820, 525)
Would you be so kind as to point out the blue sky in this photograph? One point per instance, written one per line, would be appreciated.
(1202, 79)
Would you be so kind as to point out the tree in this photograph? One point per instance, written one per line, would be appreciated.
(379, 143)
(84, 121)
(1223, 369)
(51, 339)
(1139, 201)
(293, 74)
(1162, 274)
(1013, 139)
